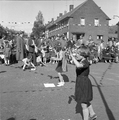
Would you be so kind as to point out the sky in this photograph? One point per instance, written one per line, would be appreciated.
(24, 12)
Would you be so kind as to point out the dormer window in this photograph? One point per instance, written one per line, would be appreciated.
(82, 22)
(96, 22)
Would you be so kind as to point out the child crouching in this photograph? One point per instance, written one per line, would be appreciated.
(27, 63)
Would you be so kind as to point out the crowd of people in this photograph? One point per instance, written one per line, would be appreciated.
(40, 51)
(34, 52)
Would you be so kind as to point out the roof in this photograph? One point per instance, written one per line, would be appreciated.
(117, 24)
(69, 14)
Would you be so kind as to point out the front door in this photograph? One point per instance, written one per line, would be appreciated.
(78, 35)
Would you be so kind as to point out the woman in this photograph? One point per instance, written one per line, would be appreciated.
(61, 66)
(83, 87)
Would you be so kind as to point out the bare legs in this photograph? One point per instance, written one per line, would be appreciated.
(6, 61)
(26, 62)
(61, 83)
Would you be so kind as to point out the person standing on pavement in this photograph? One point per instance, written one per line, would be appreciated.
(32, 52)
(7, 53)
(19, 47)
(83, 87)
(61, 66)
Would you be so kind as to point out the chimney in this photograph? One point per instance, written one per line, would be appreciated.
(60, 14)
(65, 12)
(52, 20)
(71, 7)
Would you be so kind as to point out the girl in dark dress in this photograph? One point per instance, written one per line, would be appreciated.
(61, 66)
(83, 87)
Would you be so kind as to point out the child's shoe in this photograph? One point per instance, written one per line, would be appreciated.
(93, 117)
(60, 84)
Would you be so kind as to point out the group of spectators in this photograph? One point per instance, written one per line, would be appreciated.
(30, 47)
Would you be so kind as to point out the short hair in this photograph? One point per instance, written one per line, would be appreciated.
(84, 51)
(58, 48)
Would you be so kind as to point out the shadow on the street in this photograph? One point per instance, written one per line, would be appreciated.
(51, 77)
(108, 111)
(32, 119)
(65, 77)
(2, 71)
(73, 81)
(12, 118)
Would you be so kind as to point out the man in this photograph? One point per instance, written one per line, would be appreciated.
(19, 47)
(32, 54)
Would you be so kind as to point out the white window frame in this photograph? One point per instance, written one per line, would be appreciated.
(99, 37)
(82, 21)
(96, 22)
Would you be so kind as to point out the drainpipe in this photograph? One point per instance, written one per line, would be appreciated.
(118, 26)
(118, 31)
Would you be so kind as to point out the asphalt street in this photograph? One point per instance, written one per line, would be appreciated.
(23, 95)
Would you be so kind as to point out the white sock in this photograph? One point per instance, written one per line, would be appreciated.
(85, 114)
(61, 78)
(91, 111)
(8, 62)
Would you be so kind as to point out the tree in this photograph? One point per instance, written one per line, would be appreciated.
(2, 31)
(39, 27)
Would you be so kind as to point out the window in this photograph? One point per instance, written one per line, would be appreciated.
(96, 22)
(99, 37)
(82, 21)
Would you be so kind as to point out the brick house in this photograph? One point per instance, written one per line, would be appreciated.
(113, 32)
(87, 20)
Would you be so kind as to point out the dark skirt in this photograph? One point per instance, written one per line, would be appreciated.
(52, 54)
(59, 67)
(83, 89)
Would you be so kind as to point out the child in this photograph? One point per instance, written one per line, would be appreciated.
(7, 53)
(83, 87)
(27, 62)
(39, 60)
(61, 66)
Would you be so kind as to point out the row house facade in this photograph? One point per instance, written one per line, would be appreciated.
(86, 20)
(113, 32)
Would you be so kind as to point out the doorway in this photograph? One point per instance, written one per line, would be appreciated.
(78, 35)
